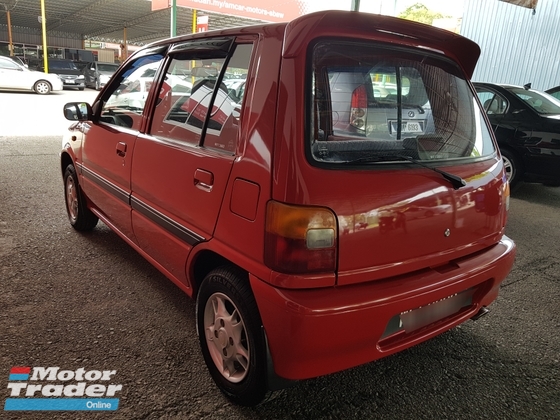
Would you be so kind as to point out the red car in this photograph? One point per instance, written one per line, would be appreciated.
(298, 239)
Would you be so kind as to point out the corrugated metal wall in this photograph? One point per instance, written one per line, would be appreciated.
(31, 37)
(518, 46)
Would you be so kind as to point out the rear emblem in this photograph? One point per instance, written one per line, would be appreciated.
(411, 114)
(447, 233)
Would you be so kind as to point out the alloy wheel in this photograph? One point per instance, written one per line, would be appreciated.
(226, 337)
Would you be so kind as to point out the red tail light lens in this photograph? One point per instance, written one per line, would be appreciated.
(506, 202)
(300, 239)
(358, 110)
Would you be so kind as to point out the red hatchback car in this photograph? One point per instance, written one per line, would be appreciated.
(309, 247)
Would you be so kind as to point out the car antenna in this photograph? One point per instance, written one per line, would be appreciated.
(527, 86)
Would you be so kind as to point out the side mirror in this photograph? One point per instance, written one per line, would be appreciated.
(78, 111)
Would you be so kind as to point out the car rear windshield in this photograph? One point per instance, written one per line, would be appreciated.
(374, 103)
(62, 65)
(107, 67)
(540, 102)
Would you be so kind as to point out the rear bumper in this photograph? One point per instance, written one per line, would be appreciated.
(315, 332)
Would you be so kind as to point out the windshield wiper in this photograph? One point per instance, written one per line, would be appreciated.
(417, 107)
(456, 181)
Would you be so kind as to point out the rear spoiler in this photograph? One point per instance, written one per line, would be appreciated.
(300, 31)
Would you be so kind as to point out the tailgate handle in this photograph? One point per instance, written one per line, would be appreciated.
(203, 179)
(121, 149)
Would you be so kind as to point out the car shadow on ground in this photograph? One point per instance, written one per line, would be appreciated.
(537, 193)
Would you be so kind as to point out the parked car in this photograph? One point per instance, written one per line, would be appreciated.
(14, 76)
(18, 59)
(300, 241)
(526, 123)
(365, 104)
(67, 71)
(97, 74)
(555, 91)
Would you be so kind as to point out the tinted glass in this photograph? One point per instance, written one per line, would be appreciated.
(376, 103)
(107, 67)
(493, 103)
(8, 64)
(539, 101)
(190, 89)
(125, 101)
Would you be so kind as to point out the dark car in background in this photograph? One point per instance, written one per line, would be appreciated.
(555, 91)
(97, 74)
(526, 123)
(67, 70)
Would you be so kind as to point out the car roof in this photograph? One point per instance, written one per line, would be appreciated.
(298, 33)
(506, 86)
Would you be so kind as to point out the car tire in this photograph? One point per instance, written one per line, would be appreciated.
(81, 218)
(82, 88)
(42, 87)
(231, 336)
(513, 167)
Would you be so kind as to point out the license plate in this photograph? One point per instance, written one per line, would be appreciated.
(426, 315)
(408, 127)
(70, 82)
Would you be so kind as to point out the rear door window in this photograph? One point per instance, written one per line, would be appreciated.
(372, 102)
(198, 104)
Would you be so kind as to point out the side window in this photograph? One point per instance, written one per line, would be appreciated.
(124, 104)
(492, 102)
(7, 64)
(223, 126)
(191, 97)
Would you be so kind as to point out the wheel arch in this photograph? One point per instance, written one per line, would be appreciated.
(206, 261)
(42, 80)
(518, 160)
(65, 160)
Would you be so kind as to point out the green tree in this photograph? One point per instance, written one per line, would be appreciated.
(420, 13)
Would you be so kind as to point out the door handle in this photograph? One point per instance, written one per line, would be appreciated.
(121, 149)
(203, 179)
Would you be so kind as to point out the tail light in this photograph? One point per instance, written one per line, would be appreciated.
(300, 239)
(358, 110)
(506, 201)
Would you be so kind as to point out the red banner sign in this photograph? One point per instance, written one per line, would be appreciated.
(271, 11)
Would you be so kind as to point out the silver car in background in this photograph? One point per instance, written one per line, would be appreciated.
(98, 74)
(14, 76)
(366, 102)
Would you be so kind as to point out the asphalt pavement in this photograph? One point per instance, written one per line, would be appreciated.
(89, 301)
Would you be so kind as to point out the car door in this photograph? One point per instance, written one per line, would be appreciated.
(182, 165)
(511, 122)
(13, 76)
(108, 142)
